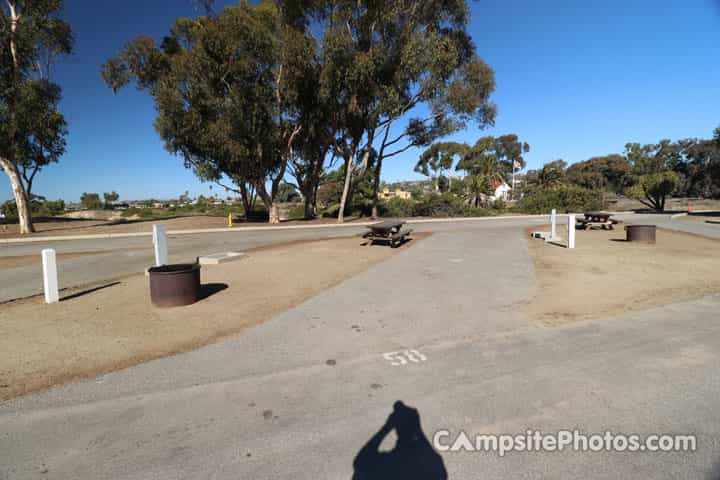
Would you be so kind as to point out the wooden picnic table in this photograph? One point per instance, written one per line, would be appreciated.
(389, 231)
(596, 219)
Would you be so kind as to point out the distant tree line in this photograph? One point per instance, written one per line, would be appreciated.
(648, 173)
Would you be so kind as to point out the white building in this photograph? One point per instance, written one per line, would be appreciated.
(502, 191)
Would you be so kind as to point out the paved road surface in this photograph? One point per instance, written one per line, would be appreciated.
(299, 396)
(123, 256)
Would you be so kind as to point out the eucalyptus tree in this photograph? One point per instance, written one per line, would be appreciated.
(438, 158)
(226, 90)
(509, 150)
(380, 62)
(32, 130)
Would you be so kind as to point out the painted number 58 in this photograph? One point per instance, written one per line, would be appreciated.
(402, 358)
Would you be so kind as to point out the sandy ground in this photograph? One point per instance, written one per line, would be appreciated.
(604, 275)
(59, 226)
(115, 327)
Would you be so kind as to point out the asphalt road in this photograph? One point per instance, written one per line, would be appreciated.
(99, 260)
(302, 395)
(124, 256)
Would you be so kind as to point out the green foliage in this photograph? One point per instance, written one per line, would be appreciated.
(443, 184)
(53, 207)
(226, 91)
(397, 207)
(551, 175)
(39, 207)
(565, 198)
(32, 129)
(362, 191)
(653, 189)
(611, 172)
(110, 197)
(288, 193)
(91, 201)
(442, 205)
(296, 212)
(139, 212)
(438, 158)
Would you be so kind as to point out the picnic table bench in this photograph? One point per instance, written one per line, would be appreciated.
(596, 219)
(390, 231)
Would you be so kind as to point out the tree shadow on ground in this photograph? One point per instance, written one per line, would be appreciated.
(209, 289)
(413, 456)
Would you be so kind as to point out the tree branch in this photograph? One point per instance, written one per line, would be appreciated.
(396, 152)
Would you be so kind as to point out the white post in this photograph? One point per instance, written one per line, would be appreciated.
(571, 231)
(161, 246)
(50, 279)
(553, 225)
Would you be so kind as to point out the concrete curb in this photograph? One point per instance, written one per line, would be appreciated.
(10, 241)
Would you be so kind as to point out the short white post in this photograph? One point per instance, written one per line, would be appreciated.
(553, 225)
(161, 246)
(571, 231)
(50, 278)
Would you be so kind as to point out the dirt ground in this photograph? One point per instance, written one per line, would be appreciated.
(70, 226)
(604, 275)
(114, 327)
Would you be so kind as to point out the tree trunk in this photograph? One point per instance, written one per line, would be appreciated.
(274, 212)
(376, 188)
(309, 201)
(346, 188)
(269, 202)
(245, 197)
(21, 198)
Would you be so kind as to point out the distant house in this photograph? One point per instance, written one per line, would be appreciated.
(397, 193)
(501, 191)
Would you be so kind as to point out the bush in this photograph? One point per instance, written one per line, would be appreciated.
(397, 207)
(478, 212)
(38, 208)
(564, 198)
(140, 212)
(442, 205)
(297, 211)
(53, 207)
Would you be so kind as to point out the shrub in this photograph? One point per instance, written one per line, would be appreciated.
(397, 207)
(140, 212)
(477, 212)
(442, 205)
(297, 211)
(564, 198)
(38, 208)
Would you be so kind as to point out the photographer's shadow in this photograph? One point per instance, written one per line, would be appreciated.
(412, 458)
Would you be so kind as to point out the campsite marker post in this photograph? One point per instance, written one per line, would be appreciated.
(161, 245)
(50, 279)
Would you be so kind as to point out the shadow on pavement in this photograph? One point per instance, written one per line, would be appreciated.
(412, 458)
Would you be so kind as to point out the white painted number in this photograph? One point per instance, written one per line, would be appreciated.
(402, 358)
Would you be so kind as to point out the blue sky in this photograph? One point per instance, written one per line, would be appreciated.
(574, 79)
